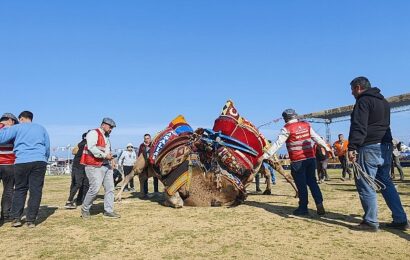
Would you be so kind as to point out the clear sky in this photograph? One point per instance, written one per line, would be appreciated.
(143, 62)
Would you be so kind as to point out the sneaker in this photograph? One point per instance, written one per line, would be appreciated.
(400, 226)
(16, 223)
(364, 226)
(111, 215)
(126, 189)
(85, 214)
(132, 189)
(70, 205)
(343, 179)
(30, 224)
(258, 190)
(300, 212)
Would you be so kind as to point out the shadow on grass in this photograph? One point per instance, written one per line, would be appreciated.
(331, 218)
(44, 213)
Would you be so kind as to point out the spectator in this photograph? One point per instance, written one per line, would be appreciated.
(32, 148)
(145, 150)
(397, 149)
(370, 145)
(322, 159)
(79, 181)
(7, 159)
(96, 159)
(127, 161)
(341, 152)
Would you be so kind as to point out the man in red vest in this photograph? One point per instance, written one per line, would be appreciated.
(7, 159)
(96, 158)
(298, 136)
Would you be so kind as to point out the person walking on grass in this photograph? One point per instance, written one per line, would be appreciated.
(96, 159)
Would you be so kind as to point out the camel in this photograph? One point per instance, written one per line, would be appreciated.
(205, 167)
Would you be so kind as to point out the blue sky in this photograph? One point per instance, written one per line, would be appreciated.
(144, 62)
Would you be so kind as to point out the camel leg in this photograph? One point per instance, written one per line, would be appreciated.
(278, 167)
(268, 177)
(138, 169)
(174, 201)
(125, 181)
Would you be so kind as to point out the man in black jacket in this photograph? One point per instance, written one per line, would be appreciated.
(370, 145)
(79, 181)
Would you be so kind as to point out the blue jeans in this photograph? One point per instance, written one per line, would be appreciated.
(303, 173)
(375, 159)
(272, 172)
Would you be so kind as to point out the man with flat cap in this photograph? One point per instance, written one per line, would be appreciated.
(7, 159)
(299, 137)
(96, 159)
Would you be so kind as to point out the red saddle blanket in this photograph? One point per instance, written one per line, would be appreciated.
(232, 124)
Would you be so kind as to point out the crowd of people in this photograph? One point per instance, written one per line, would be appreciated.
(25, 149)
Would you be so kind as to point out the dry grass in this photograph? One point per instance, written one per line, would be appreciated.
(262, 228)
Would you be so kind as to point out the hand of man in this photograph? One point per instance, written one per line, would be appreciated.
(352, 156)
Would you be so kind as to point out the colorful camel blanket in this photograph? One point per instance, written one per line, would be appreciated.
(174, 135)
(232, 124)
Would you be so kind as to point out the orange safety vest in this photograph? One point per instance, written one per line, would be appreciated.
(7, 156)
(88, 158)
(300, 145)
(341, 149)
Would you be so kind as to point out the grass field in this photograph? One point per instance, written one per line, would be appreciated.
(262, 228)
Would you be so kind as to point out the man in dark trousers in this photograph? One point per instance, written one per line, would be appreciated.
(7, 159)
(79, 181)
(370, 145)
(299, 137)
(32, 148)
(145, 149)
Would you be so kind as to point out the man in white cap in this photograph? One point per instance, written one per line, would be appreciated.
(7, 159)
(127, 161)
(96, 158)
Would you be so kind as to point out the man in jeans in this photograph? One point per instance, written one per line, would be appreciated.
(96, 157)
(32, 148)
(370, 145)
(7, 159)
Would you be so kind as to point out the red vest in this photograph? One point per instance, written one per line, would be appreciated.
(300, 145)
(7, 156)
(88, 158)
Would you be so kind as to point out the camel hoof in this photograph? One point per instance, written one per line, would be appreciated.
(267, 192)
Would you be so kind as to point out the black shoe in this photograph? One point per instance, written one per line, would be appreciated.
(364, 226)
(320, 209)
(30, 224)
(258, 190)
(111, 215)
(16, 223)
(70, 205)
(85, 214)
(400, 226)
(300, 212)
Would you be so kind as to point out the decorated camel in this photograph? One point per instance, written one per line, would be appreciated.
(205, 167)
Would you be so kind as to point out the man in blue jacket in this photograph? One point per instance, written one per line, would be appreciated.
(32, 149)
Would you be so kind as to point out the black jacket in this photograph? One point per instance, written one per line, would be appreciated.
(370, 120)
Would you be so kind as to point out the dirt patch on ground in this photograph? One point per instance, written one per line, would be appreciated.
(261, 228)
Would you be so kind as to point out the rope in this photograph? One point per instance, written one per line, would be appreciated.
(360, 173)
